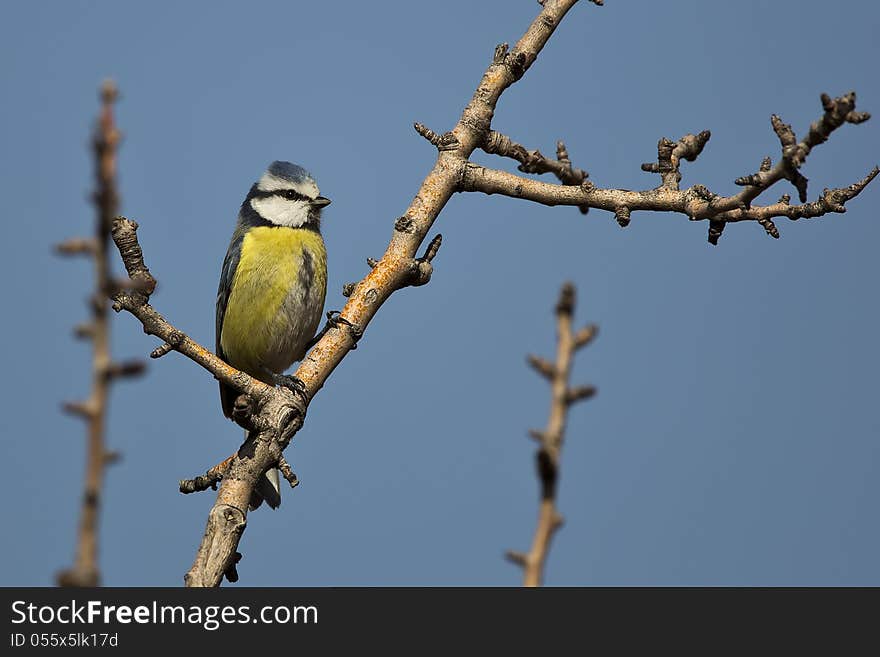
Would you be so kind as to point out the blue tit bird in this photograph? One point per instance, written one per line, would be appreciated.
(272, 287)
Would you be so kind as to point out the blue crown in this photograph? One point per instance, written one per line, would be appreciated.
(288, 171)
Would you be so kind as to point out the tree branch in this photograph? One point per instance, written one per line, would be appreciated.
(548, 454)
(274, 416)
(85, 570)
(398, 268)
(534, 162)
(210, 479)
(697, 202)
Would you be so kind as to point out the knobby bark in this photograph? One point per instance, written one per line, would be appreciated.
(698, 203)
(85, 570)
(547, 457)
(273, 416)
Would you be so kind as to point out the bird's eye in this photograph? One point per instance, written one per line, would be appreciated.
(291, 195)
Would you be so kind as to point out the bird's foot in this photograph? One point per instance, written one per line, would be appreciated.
(334, 320)
(292, 383)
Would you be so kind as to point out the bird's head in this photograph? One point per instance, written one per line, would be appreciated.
(287, 195)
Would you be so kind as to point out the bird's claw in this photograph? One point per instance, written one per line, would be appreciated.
(292, 383)
(335, 318)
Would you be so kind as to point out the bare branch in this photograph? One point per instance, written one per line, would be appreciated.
(124, 232)
(542, 366)
(585, 336)
(433, 248)
(84, 330)
(444, 142)
(287, 472)
(125, 370)
(85, 570)
(832, 200)
(392, 272)
(550, 439)
(534, 161)
(697, 202)
(161, 350)
(77, 246)
(274, 416)
(208, 480)
(421, 269)
(84, 409)
(579, 393)
(670, 154)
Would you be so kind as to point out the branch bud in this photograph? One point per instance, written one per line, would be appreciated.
(125, 369)
(77, 246)
(585, 336)
(542, 366)
(579, 393)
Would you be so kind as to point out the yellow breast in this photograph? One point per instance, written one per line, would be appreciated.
(268, 271)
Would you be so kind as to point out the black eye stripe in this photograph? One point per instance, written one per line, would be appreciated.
(289, 194)
(292, 195)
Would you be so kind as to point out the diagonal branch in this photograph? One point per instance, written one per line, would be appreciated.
(275, 416)
(85, 570)
(210, 479)
(550, 439)
(136, 300)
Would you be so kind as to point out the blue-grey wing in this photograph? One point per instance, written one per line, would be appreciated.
(227, 273)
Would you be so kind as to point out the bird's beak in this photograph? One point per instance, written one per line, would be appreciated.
(321, 202)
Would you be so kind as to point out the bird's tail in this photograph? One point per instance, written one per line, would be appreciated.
(268, 489)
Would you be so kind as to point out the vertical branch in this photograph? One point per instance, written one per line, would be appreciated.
(85, 571)
(550, 439)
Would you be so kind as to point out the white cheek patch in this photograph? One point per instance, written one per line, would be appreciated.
(282, 212)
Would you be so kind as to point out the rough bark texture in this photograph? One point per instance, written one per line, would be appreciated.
(698, 203)
(274, 416)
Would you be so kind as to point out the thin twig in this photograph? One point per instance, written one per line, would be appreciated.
(697, 202)
(547, 457)
(275, 415)
(85, 570)
(278, 414)
(208, 480)
(535, 162)
(287, 472)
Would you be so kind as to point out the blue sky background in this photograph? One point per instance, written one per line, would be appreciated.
(734, 439)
